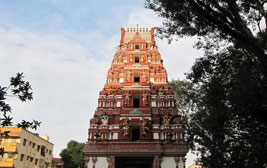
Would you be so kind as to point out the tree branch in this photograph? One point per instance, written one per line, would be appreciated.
(219, 24)
(241, 25)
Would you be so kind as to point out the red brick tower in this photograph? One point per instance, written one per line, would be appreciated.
(136, 124)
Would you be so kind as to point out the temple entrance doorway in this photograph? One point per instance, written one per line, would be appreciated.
(133, 162)
(135, 133)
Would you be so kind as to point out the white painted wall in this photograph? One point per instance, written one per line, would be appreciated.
(101, 162)
(90, 164)
(181, 163)
(115, 135)
(168, 162)
(118, 104)
(156, 135)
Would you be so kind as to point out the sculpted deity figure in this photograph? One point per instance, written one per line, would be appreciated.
(131, 58)
(159, 69)
(110, 90)
(166, 119)
(154, 55)
(161, 90)
(143, 127)
(149, 46)
(125, 46)
(129, 75)
(155, 48)
(144, 97)
(104, 119)
(125, 127)
(127, 97)
(144, 75)
(115, 69)
(142, 58)
(118, 48)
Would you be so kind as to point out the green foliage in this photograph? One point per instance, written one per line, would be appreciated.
(227, 125)
(217, 23)
(73, 156)
(184, 92)
(228, 128)
(23, 91)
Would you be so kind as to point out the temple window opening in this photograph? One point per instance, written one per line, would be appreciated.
(136, 77)
(136, 101)
(135, 133)
(136, 59)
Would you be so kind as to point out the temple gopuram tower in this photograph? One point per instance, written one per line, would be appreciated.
(136, 123)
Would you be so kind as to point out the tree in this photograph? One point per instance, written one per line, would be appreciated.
(73, 156)
(239, 22)
(23, 91)
(228, 126)
(223, 125)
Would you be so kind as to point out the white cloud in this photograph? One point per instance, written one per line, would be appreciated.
(65, 77)
(178, 57)
(144, 18)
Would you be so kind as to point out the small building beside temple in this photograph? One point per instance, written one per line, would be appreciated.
(136, 123)
(194, 165)
(23, 149)
(57, 163)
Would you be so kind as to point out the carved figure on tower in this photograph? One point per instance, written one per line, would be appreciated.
(129, 75)
(131, 58)
(125, 127)
(155, 48)
(127, 97)
(144, 76)
(161, 90)
(115, 70)
(143, 127)
(159, 69)
(142, 58)
(166, 119)
(110, 90)
(104, 119)
(125, 46)
(118, 47)
(149, 46)
(144, 97)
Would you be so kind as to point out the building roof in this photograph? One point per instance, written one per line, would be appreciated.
(15, 131)
(57, 160)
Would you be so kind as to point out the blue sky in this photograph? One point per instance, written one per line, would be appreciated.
(68, 15)
(65, 48)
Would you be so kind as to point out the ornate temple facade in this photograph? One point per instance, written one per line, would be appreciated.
(136, 123)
